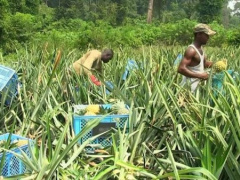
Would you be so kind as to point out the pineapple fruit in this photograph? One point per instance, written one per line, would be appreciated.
(220, 65)
(90, 113)
(120, 108)
(22, 142)
(104, 110)
(117, 108)
(93, 108)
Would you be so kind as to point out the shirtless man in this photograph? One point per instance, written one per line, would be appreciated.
(194, 60)
(92, 61)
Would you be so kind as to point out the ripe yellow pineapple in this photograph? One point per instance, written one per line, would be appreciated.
(220, 65)
(90, 113)
(93, 108)
(22, 142)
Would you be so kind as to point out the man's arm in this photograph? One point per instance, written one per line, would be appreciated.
(186, 61)
(97, 67)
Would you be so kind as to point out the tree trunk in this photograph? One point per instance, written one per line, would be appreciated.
(150, 10)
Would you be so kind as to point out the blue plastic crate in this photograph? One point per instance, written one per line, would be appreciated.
(13, 165)
(178, 60)
(131, 65)
(8, 83)
(115, 121)
(218, 79)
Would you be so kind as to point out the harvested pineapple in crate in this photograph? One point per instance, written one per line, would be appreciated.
(220, 66)
(111, 115)
(218, 76)
(13, 165)
(219, 70)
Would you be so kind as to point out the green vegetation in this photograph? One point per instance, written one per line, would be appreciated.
(78, 24)
(172, 134)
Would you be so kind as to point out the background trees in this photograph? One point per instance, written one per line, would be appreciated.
(210, 10)
(122, 22)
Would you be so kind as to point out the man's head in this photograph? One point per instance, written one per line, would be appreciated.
(202, 33)
(107, 55)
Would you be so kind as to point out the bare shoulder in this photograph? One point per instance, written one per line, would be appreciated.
(190, 52)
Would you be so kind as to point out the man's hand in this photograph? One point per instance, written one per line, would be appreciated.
(203, 76)
(95, 80)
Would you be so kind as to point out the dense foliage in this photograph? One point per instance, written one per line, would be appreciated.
(172, 133)
(78, 24)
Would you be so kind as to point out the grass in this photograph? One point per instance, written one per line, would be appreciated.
(172, 133)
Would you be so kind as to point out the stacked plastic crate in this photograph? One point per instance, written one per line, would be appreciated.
(8, 84)
(12, 165)
(107, 122)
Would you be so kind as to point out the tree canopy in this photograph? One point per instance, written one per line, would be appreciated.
(24, 20)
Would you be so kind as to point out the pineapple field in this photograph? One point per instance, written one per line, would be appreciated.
(170, 132)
